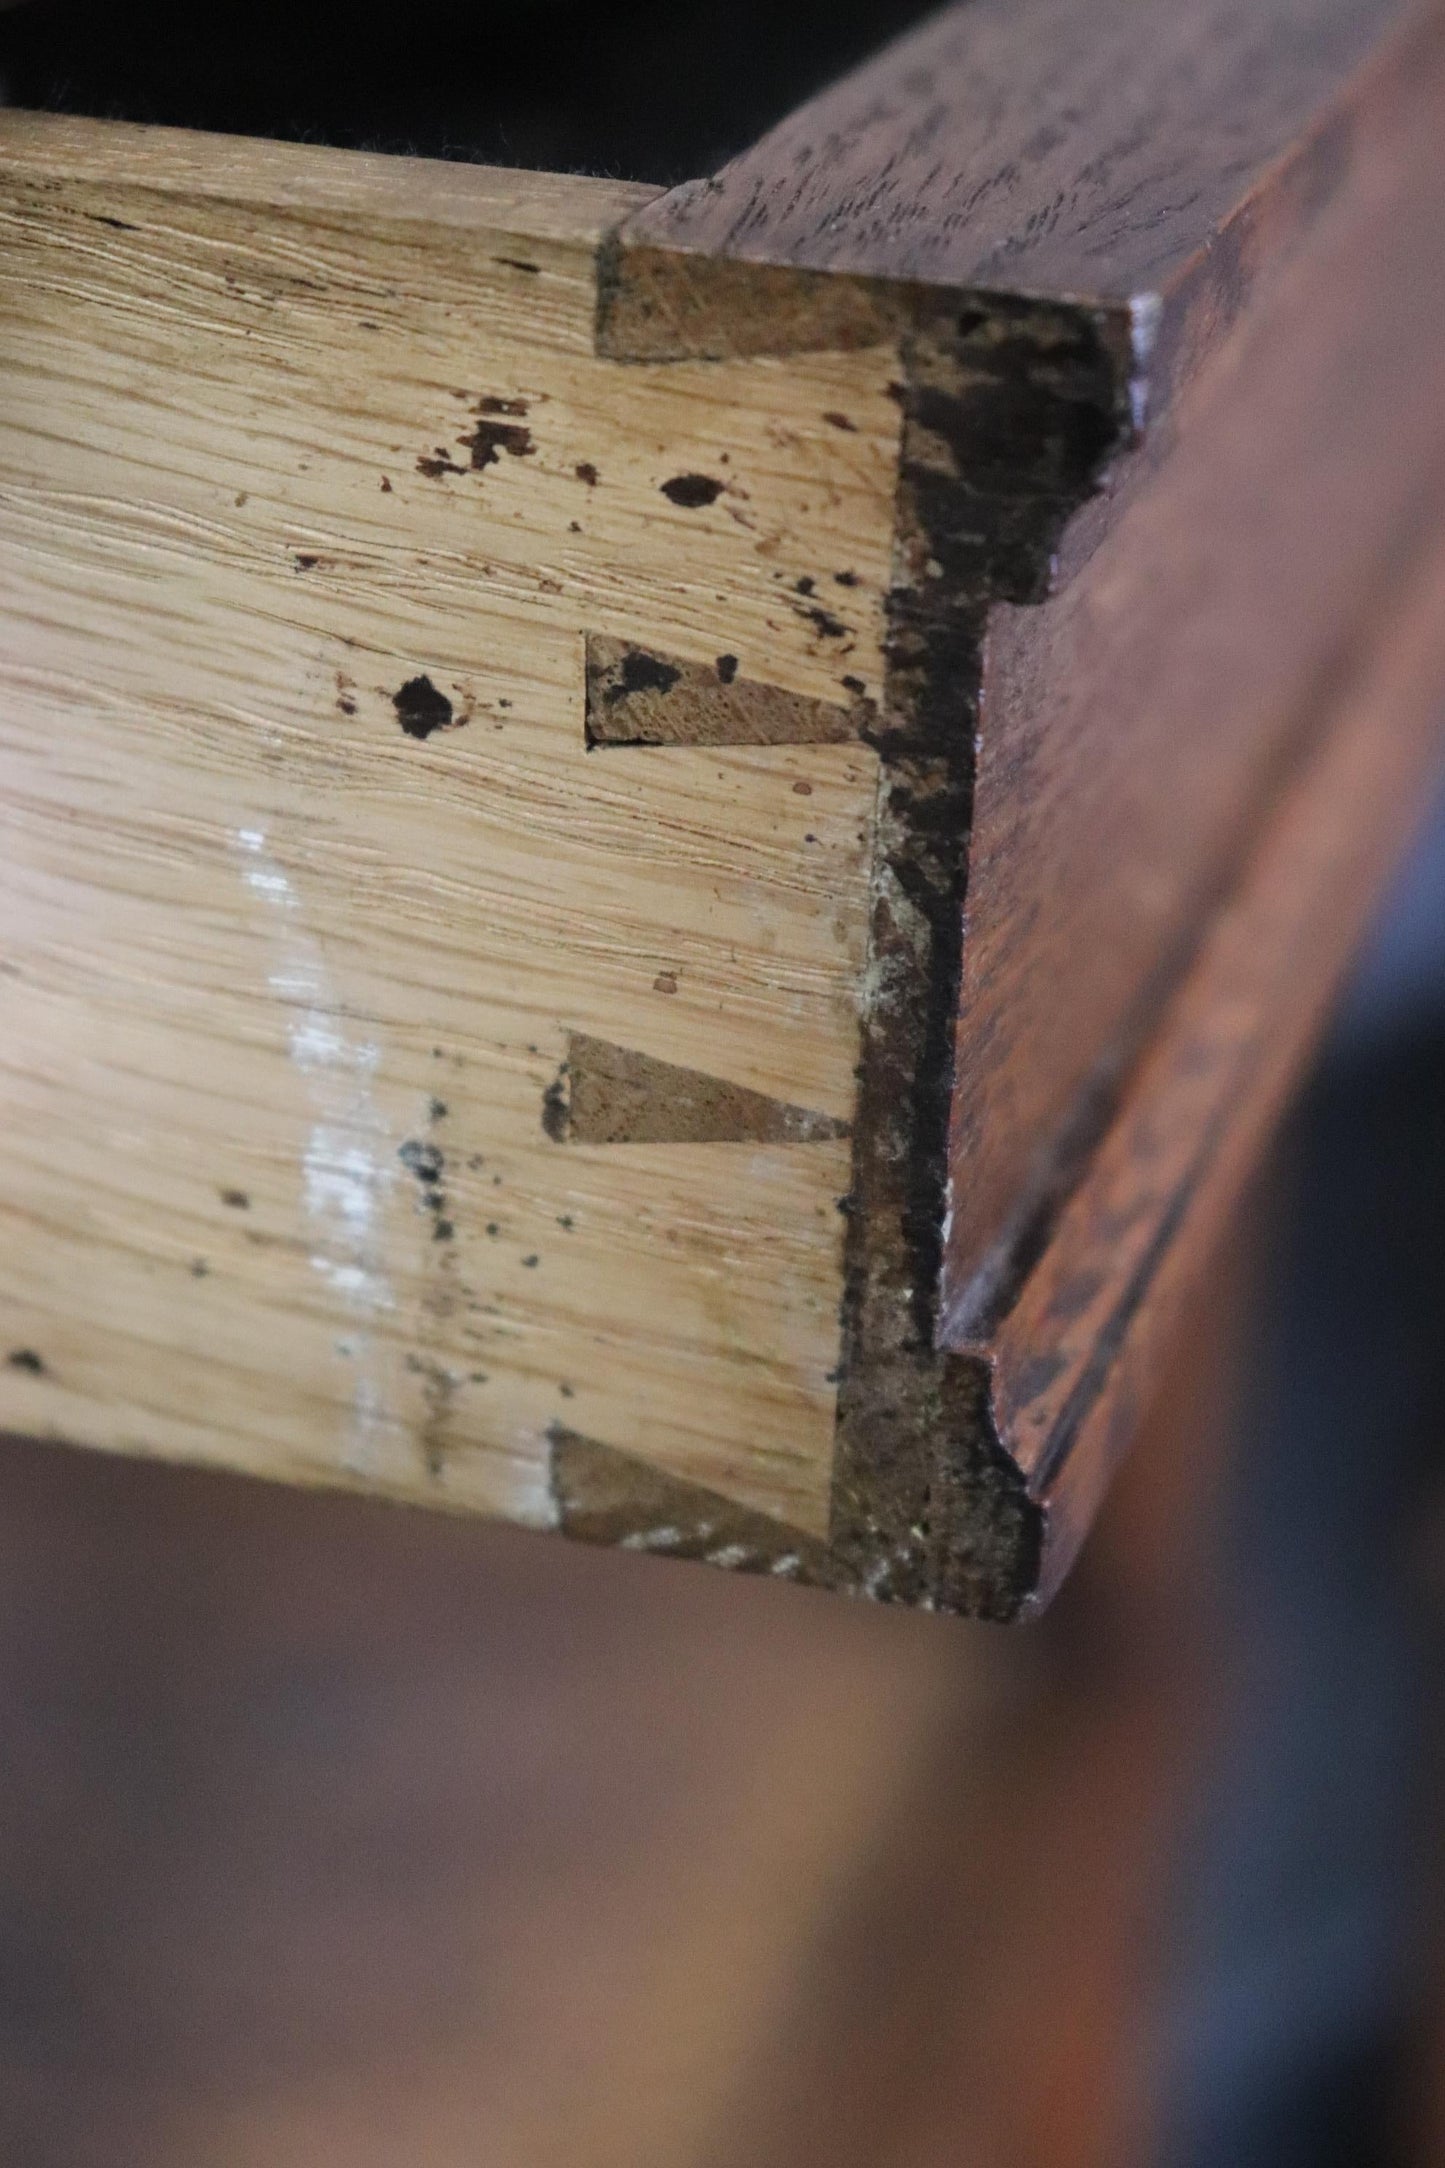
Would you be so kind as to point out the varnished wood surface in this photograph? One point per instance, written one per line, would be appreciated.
(1134, 727)
(1080, 150)
(1074, 1361)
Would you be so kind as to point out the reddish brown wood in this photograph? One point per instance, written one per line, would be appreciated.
(1134, 729)
(1073, 1361)
(1168, 290)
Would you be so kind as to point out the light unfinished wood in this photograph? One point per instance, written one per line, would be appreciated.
(302, 455)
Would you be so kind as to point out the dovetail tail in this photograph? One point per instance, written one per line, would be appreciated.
(636, 697)
(607, 1094)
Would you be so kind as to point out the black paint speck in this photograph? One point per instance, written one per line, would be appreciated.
(237, 1199)
(25, 1358)
(443, 1231)
(421, 709)
(556, 1111)
(493, 1229)
(305, 562)
(501, 406)
(532, 1262)
(854, 684)
(805, 585)
(846, 579)
(426, 1161)
(829, 626)
(692, 491)
(727, 668)
(586, 472)
(437, 464)
(566, 1220)
(641, 673)
(436, 1109)
(520, 263)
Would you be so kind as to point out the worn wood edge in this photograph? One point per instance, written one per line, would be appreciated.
(1069, 1370)
(54, 149)
(677, 281)
(1013, 412)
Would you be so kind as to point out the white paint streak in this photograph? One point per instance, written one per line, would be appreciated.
(349, 1159)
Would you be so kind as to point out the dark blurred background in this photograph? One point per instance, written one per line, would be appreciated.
(330, 1833)
(639, 89)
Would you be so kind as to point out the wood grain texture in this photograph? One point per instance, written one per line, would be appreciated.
(606, 798)
(307, 511)
(1081, 151)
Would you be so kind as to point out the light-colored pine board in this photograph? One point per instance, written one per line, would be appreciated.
(263, 943)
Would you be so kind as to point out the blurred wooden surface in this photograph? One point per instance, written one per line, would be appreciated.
(337, 1836)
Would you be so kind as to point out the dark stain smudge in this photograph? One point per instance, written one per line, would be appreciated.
(25, 1358)
(556, 1110)
(692, 491)
(641, 673)
(490, 438)
(421, 709)
(426, 1161)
